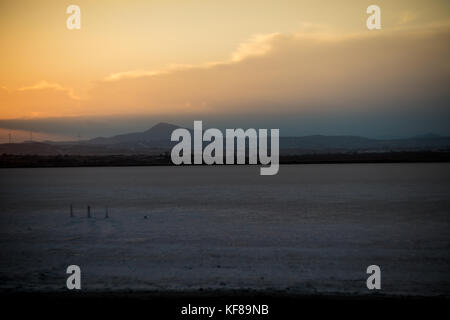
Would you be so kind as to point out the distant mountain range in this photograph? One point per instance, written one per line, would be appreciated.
(156, 140)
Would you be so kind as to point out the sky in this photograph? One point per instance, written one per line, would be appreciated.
(306, 67)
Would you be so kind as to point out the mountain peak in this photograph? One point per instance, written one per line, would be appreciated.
(163, 124)
(161, 130)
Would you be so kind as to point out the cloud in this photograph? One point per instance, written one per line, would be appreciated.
(51, 85)
(145, 73)
(392, 82)
(41, 99)
(258, 45)
(295, 73)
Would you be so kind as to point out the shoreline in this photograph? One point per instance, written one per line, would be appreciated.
(140, 160)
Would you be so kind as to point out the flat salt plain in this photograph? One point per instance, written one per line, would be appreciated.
(311, 229)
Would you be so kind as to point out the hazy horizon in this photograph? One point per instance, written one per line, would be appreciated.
(60, 130)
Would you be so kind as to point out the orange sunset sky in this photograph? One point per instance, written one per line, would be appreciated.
(280, 60)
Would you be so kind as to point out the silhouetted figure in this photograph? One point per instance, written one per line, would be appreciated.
(71, 211)
(88, 211)
(106, 213)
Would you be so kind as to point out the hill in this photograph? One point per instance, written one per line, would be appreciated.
(156, 140)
